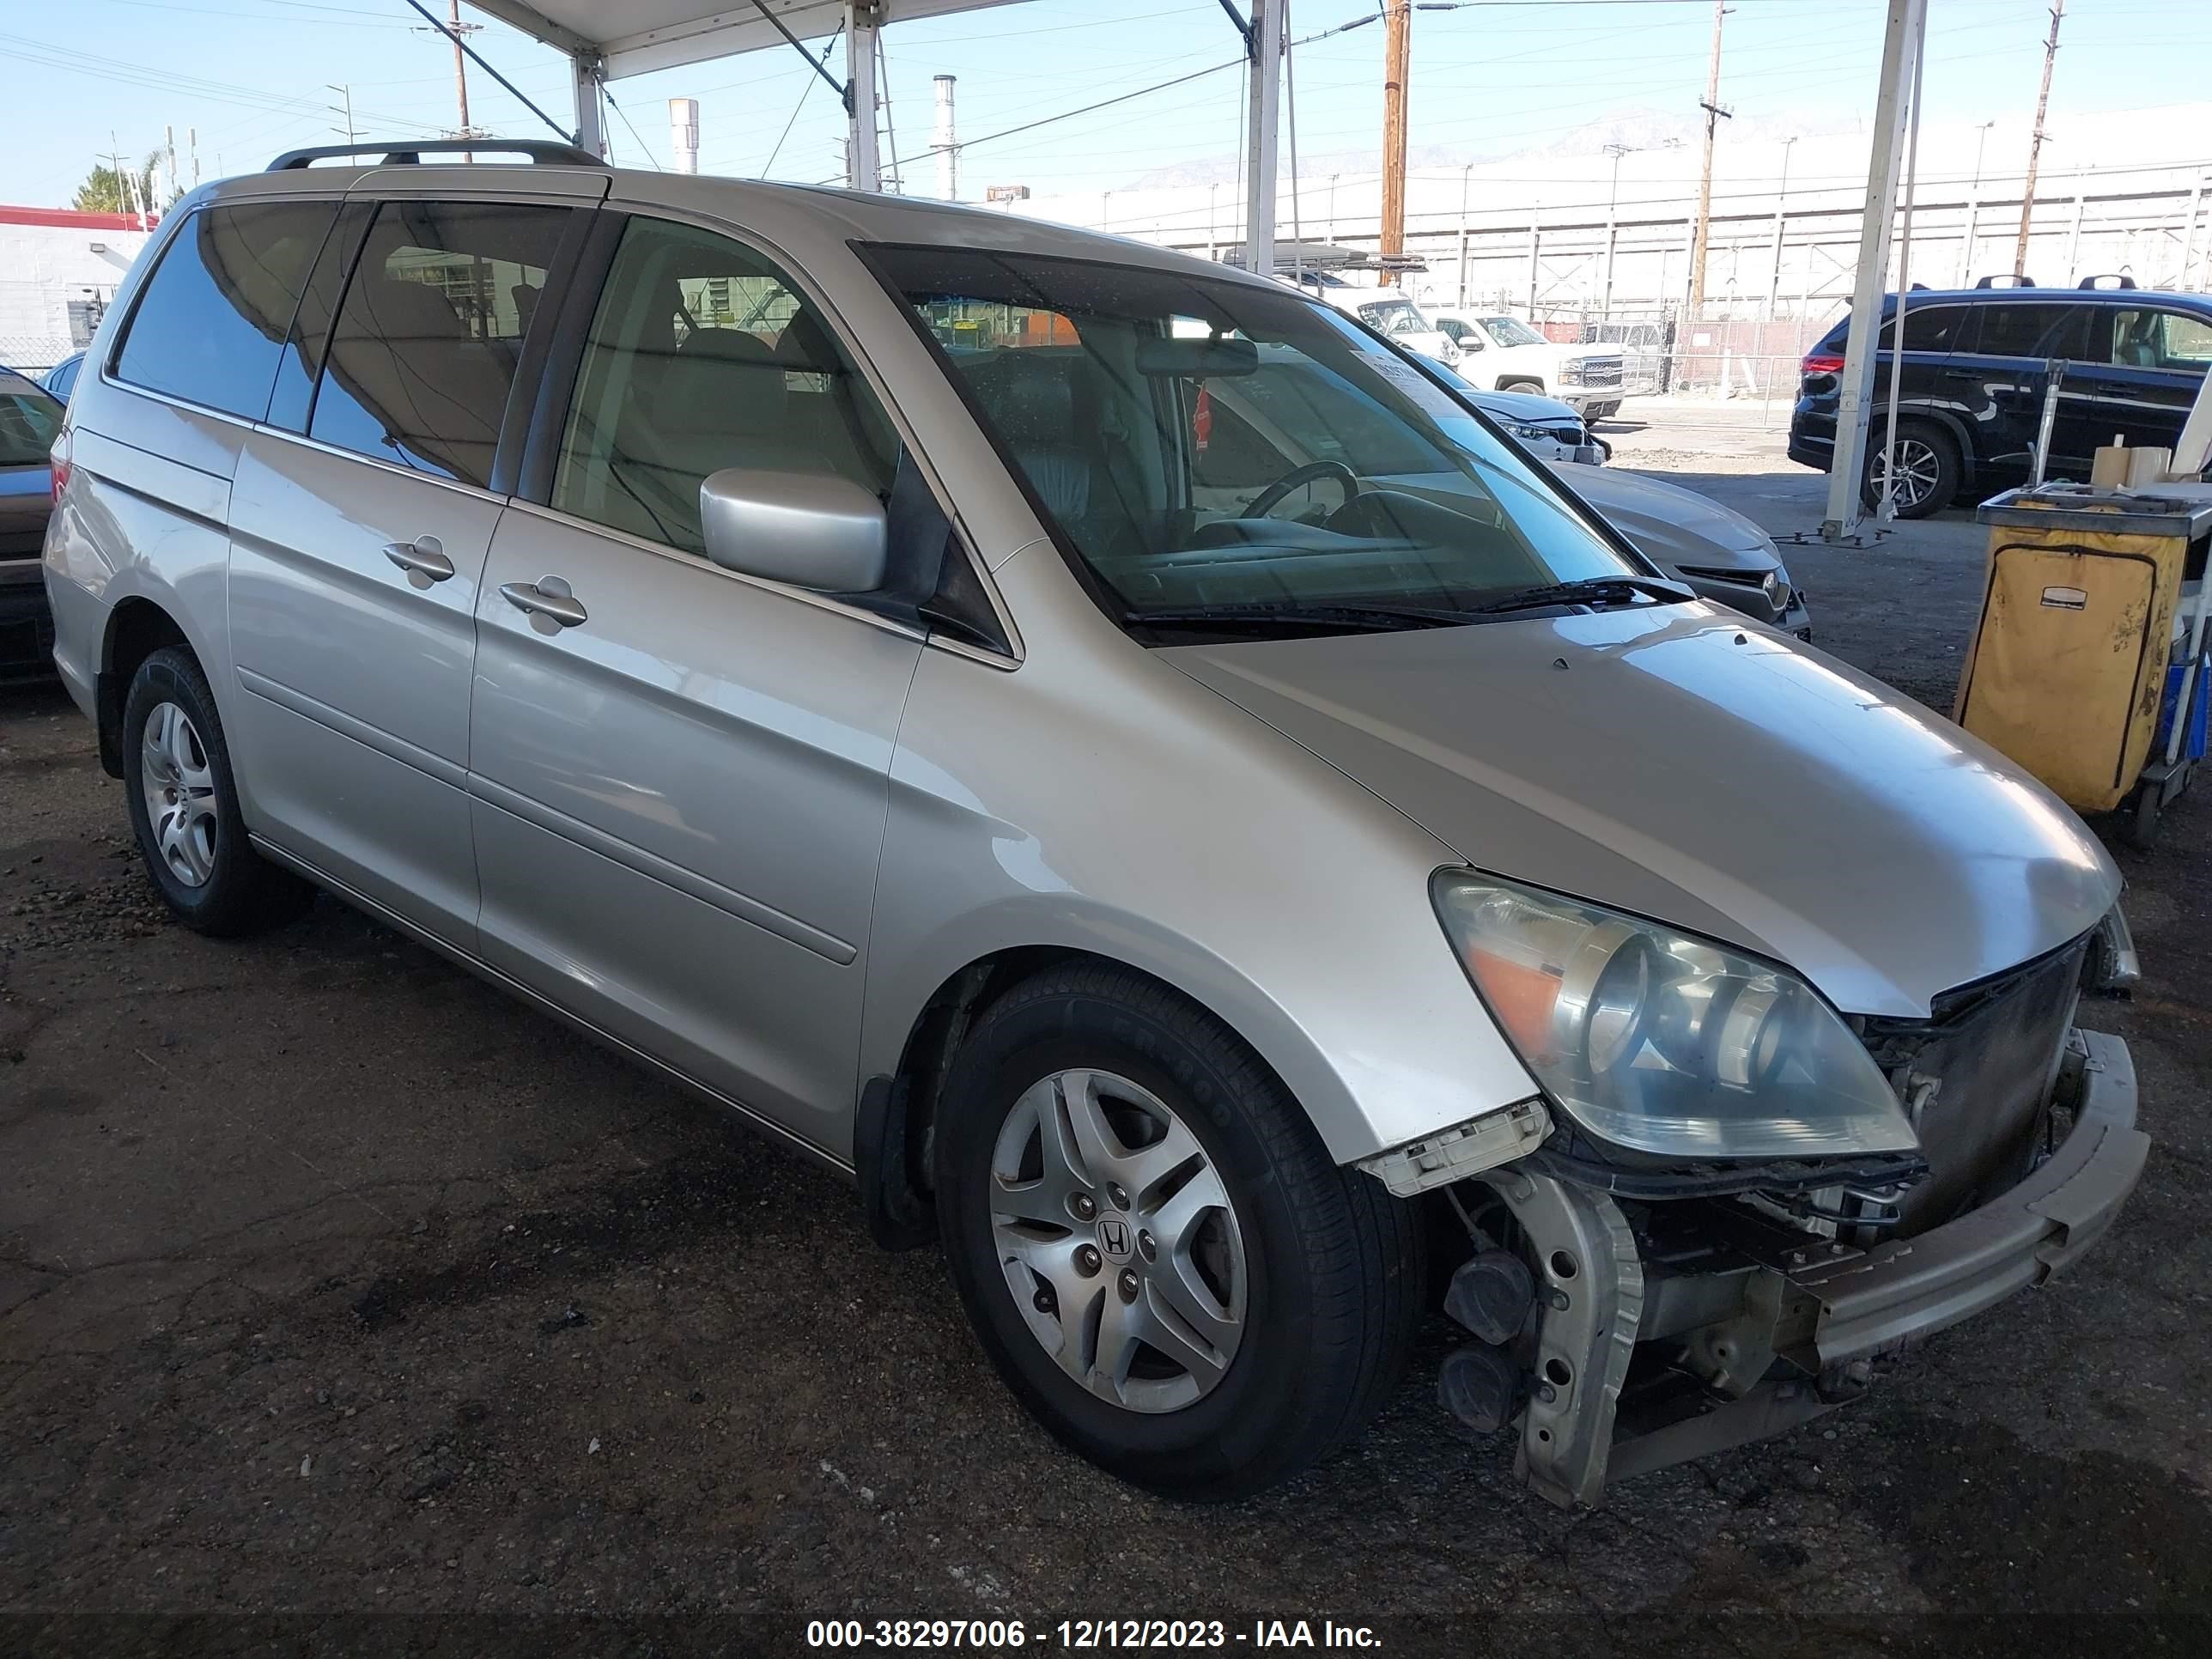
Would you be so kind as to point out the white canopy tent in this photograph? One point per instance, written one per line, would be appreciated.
(609, 40)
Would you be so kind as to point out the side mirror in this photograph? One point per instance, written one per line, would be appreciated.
(810, 529)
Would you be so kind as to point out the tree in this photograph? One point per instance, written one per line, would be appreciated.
(104, 189)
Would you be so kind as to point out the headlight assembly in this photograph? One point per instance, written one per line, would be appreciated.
(1664, 1043)
(1531, 434)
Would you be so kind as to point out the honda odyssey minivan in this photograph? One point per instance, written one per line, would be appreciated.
(815, 642)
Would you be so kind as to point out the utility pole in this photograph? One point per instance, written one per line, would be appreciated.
(2035, 142)
(461, 68)
(457, 28)
(1397, 66)
(344, 107)
(1714, 116)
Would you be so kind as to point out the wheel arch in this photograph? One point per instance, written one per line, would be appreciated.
(137, 626)
(906, 1058)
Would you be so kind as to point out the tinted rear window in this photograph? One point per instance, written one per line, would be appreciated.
(2026, 328)
(1932, 328)
(425, 347)
(212, 320)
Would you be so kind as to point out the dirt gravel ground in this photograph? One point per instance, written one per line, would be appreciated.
(348, 1306)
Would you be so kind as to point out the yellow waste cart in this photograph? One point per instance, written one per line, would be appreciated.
(2071, 665)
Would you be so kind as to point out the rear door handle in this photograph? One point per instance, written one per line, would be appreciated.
(423, 559)
(549, 600)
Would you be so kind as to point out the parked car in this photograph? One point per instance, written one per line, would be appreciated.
(1503, 354)
(1977, 362)
(1547, 428)
(1189, 911)
(29, 421)
(1714, 549)
(1388, 310)
(1643, 347)
(61, 376)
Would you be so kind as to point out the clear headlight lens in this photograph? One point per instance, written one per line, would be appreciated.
(1534, 434)
(1667, 1044)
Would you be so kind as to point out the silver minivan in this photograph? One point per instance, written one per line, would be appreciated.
(1247, 864)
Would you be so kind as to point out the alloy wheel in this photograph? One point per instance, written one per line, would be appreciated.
(1918, 468)
(1118, 1240)
(178, 784)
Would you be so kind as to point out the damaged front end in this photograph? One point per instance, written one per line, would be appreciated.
(1631, 1311)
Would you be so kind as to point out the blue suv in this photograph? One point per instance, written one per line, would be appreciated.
(1977, 363)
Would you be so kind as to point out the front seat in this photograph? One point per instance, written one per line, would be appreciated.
(1033, 406)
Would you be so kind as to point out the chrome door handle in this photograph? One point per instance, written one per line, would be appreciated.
(549, 601)
(423, 559)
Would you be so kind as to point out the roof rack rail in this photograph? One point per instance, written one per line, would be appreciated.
(541, 152)
(2118, 279)
(2006, 281)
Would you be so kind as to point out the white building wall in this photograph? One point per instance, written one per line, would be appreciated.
(43, 267)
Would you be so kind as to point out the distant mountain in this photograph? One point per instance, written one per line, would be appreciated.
(1638, 129)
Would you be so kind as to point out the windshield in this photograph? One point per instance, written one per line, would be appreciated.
(1201, 443)
(1511, 331)
(1394, 316)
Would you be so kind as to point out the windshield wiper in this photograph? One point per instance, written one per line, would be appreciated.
(1591, 590)
(1288, 613)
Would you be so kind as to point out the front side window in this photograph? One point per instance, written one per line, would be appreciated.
(1511, 331)
(213, 316)
(2160, 339)
(423, 352)
(28, 422)
(1206, 443)
(703, 356)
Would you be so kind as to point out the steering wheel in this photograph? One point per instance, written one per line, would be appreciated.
(1271, 497)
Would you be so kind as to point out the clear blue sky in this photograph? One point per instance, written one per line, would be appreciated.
(85, 76)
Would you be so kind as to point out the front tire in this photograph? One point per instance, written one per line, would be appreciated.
(1154, 1245)
(184, 807)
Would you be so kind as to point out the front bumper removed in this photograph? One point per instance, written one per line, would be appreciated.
(1794, 1331)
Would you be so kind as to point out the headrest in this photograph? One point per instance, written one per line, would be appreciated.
(724, 381)
(411, 311)
(804, 347)
(729, 345)
(1029, 400)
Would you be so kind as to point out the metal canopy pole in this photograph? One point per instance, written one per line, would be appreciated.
(590, 124)
(862, 19)
(1900, 51)
(1266, 38)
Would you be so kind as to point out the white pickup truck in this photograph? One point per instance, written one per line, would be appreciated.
(1503, 354)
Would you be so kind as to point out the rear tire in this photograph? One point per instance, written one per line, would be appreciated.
(184, 807)
(1311, 1277)
(1930, 472)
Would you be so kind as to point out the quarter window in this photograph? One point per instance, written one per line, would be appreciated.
(213, 318)
(1930, 328)
(703, 356)
(423, 352)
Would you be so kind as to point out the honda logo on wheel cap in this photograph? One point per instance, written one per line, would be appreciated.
(1114, 1238)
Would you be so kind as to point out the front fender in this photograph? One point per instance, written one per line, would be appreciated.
(1153, 823)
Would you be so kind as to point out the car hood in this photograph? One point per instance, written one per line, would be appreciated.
(1670, 524)
(1525, 407)
(1674, 763)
